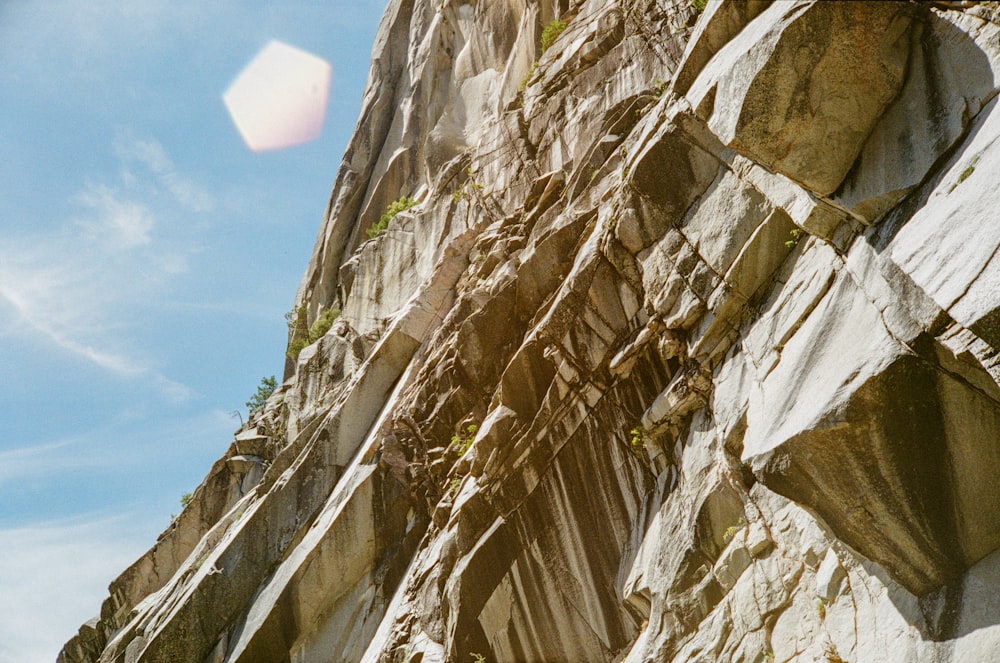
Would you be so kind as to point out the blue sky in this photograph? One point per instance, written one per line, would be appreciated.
(147, 258)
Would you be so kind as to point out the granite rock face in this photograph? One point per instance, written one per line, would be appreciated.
(687, 352)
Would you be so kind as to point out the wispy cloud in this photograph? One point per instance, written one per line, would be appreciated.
(173, 391)
(54, 574)
(115, 444)
(60, 570)
(63, 302)
(123, 224)
(81, 284)
(150, 153)
(31, 461)
(87, 450)
(94, 41)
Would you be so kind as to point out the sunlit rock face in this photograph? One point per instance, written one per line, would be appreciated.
(687, 352)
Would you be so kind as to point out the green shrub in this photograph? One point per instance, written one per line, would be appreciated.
(463, 439)
(185, 499)
(295, 347)
(302, 334)
(297, 319)
(264, 391)
(699, 5)
(638, 441)
(376, 229)
(298, 331)
(468, 188)
(551, 33)
(323, 324)
(395, 208)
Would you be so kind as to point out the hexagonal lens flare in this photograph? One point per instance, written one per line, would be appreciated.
(280, 98)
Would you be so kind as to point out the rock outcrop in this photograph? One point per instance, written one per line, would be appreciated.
(688, 351)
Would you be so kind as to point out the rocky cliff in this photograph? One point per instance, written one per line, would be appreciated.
(688, 351)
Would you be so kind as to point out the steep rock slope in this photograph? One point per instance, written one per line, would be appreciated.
(687, 352)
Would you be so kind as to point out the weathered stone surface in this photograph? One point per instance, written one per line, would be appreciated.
(800, 88)
(689, 352)
(949, 79)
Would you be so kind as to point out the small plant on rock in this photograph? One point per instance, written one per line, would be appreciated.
(462, 440)
(638, 442)
(296, 318)
(551, 33)
(395, 208)
(185, 499)
(295, 347)
(660, 88)
(472, 183)
(298, 331)
(468, 187)
(322, 324)
(971, 168)
(302, 333)
(699, 5)
(731, 531)
(264, 391)
(796, 235)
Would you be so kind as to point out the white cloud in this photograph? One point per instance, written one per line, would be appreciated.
(31, 461)
(65, 298)
(150, 153)
(54, 576)
(84, 285)
(89, 449)
(120, 223)
(123, 442)
(92, 41)
(175, 392)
